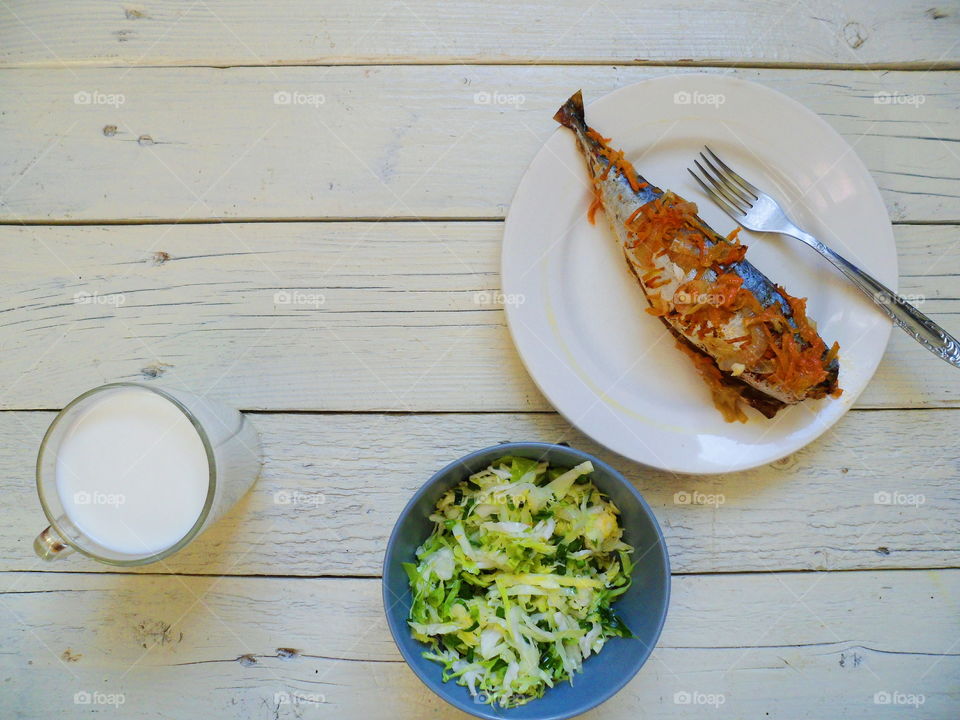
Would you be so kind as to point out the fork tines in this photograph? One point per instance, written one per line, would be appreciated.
(730, 191)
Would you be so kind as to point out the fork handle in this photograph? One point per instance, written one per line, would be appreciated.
(920, 327)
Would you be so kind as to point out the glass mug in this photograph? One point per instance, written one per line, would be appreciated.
(128, 473)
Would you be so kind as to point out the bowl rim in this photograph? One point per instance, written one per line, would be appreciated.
(508, 447)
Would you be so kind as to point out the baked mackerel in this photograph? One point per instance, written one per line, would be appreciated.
(751, 341)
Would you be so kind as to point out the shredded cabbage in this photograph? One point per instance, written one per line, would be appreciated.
(513, 590)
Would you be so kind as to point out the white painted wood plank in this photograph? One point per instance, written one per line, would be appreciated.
(221, 32)
(193, 143)
(408, 320)
(335, 484)
(233, 647)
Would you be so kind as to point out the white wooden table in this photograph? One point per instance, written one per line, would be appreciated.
(150, 170)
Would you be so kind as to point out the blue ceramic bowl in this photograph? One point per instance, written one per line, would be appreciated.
(643, 607)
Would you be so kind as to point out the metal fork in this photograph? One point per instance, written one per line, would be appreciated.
(755, 210)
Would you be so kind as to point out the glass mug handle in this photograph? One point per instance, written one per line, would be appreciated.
(48, 545)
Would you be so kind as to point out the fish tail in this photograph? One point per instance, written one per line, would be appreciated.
(571, 113)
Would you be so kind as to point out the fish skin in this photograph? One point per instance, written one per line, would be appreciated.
(620, 200)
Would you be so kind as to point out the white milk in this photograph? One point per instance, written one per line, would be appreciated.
(131, 472)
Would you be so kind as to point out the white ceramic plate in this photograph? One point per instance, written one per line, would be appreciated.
(577, 314)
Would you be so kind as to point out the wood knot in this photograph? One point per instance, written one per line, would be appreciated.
(155, 370)
(855, 34)
(785, 463)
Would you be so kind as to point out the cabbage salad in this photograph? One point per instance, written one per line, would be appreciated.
(513, 589)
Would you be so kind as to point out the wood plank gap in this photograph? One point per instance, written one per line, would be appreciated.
(275, 576)
(906, 66)
(108, 222)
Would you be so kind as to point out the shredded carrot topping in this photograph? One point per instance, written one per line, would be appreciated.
(616, 160)
(778, 342)
(595, 204)
(594, 135)
(785, 348)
